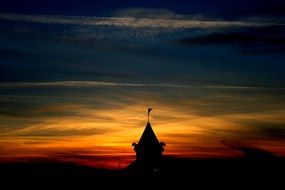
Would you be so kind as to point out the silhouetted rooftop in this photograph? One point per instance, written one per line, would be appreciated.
(148, 137)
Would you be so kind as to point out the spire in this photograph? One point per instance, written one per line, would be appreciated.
(148, 137)
(149, 149)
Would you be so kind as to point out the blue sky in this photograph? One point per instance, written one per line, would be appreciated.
(95, 8)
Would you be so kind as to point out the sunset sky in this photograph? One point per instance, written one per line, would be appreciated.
(77, 77)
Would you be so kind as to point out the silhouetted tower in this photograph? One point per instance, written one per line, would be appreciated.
(149, 149)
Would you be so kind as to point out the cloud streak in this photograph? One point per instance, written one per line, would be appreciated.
(94, 84)
(131, 22)
(79, 84)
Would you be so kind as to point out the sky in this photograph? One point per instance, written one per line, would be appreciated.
(77, 77)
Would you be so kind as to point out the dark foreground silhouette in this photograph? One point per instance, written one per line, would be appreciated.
(170, 171)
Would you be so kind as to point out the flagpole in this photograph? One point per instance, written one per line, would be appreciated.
(148, 115)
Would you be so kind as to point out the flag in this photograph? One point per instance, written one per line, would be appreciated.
(149, 109)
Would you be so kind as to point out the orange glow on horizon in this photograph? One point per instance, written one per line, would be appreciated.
(109, 133)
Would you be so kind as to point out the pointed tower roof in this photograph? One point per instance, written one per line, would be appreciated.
(148, 137)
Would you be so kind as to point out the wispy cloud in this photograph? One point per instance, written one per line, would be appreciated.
(181, 23)
(75, 84)
(91, 84)
(59, 129)
(245, 87)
